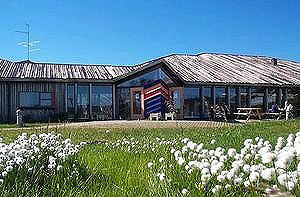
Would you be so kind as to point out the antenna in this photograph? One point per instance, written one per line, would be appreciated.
(28, 44)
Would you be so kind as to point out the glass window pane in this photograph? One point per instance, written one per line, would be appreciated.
(70, 101)
(29, 99)
(147, 78)
(123, 106)
(101, 102)
(244, 96)
(45, 103)
(272, 94)
(176, 100)
(207, 101)
(45, 95)
(83, 101)
(233, 99)
(257, 97)
(137, 102)
(191, 103)
(220, 95)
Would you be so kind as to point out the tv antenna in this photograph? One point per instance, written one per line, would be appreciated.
(27, 44)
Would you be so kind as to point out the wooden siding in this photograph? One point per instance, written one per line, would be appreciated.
(9, 95)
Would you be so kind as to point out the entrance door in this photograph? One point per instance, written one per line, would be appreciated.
(137, 103)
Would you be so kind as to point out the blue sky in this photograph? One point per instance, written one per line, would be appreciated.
(131, 32)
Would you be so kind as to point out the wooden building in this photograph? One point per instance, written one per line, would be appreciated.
(99, 92)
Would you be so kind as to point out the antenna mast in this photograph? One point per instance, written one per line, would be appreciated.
(28, 44)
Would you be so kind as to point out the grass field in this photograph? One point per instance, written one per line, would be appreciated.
(112, 170)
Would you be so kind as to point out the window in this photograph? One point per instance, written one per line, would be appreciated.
(191, 103)
(101, 102)
(207, 101)
(70, 101)
(257, 97)
(220, 95)
(233, 98)
(176, 100)
(36, 99)
(146, 79)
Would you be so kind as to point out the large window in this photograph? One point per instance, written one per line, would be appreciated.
(191, 103)
(70, 101)
(233, 98)
(137, 108)
(147, 78)
(294, 99)
(37, 99)
(123, 106)
(272, 94)
(83, 101)
(244, 96)
(257, 97)
(207, 101)
(101, 102)
(176, 100)
(220, 95)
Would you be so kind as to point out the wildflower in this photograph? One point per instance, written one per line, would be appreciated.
(184, 191)
(212, 141)
(161, 159)
(150, 164)
(107, 131)
(161, 176)
(247, 183)
(216, 189)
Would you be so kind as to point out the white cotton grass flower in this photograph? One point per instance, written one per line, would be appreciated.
(150, 164)
(213, 141)
(267, 157)
(161, 159)
(216, 189)
(184, 191)
(161, 176)
(107, 131)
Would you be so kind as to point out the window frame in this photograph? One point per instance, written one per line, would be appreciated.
(40, 99)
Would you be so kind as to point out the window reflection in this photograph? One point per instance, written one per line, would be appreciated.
(176, 100)
(147, 78)
(123, 105)
(70, 101)
(137, 102)
(272, 94)
(294, 99)
(257, 97)
(233, 98)
(244, 96)
(220, 95)
(207, 101)
(191, 103)
(83, 101)
(101, 102)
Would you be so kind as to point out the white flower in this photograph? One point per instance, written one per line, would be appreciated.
(268, 173)
(213, 141)
(253, 177)
(180, 161)
(184, 191)
(231, 152)
(282, 179)
(216, 189)
(150, 164)
(161, 176)
(1, 180)
(59, 167)
(267, 157)
(4, 173)
(107, 131)
(247, 183)
(227, 186)
(161, 159)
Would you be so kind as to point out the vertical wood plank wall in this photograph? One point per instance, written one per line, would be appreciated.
(9, 96)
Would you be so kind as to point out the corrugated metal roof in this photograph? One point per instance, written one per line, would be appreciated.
(202, 68)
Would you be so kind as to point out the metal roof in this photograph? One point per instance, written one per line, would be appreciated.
(202, 68)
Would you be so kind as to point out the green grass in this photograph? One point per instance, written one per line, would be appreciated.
(121, 173)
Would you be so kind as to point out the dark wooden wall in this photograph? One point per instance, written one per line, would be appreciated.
(9, 99)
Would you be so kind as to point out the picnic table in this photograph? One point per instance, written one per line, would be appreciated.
(249, 112)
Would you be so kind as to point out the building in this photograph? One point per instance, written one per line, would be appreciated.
(98, 92)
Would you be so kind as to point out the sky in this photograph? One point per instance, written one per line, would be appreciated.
(127, 32)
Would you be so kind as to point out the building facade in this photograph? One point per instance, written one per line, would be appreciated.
(195, 83)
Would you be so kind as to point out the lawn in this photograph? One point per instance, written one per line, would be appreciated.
(112, 168)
